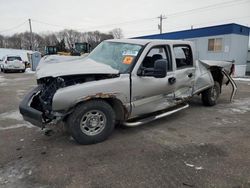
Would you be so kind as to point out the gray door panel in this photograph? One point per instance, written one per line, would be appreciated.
(150, 94)
(184, 82)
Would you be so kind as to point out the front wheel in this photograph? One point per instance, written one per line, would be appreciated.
(210, 96)
(91, 122)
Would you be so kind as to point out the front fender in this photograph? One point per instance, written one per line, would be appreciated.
(66, 98)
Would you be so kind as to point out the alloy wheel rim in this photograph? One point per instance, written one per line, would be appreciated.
(93, 122)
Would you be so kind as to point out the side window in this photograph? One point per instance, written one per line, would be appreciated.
(154, 54)
(183, 56)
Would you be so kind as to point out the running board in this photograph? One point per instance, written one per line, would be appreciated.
(152, 118)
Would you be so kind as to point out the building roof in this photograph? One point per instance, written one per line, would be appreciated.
(202, 32)
(146, 41)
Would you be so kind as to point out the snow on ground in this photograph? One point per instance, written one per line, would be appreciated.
(28, 125)
(29, 71)
(238, 106)
(193, 166)
(2, 79)
(14, 173)
(247, 79)
(11, 115)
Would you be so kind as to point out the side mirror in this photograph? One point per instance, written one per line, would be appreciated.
(159, 70)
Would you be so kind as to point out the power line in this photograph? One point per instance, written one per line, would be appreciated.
(106, 25)
(50, 24)
(227, 3)
(213, 22)
(223, 4)
(132, 33)
(15, 27)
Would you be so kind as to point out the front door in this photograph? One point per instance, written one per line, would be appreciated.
(150, 94)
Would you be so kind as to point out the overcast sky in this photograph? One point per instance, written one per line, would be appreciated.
(135, 18)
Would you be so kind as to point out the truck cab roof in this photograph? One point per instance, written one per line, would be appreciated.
(146, 41)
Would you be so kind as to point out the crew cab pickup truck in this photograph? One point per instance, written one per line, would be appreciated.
(122, 81)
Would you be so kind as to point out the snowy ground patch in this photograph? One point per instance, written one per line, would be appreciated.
(193, 166)
(27, 125)
(11, 115)
(29, 71)
(2, 79)
(247, 79)
(13, 174)
(238, 106)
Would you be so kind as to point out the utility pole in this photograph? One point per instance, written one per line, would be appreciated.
(161, 17)
(31, 39)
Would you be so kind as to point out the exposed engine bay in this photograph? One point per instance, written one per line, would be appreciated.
(42, 101)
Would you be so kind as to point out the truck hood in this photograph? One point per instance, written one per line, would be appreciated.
(55, 65)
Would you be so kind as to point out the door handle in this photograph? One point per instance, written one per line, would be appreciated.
(190, 75)
(172, 80)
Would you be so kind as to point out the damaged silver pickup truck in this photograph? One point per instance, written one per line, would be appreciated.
(127, 82)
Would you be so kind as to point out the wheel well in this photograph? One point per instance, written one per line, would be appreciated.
(121, 112)
(217, 75)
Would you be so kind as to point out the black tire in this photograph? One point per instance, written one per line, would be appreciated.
(4, 71)
(210, 96)
(104, 117)
(23, 70)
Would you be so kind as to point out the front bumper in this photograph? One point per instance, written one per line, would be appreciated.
(29, 113)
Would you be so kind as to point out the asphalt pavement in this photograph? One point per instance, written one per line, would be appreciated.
(197, 147)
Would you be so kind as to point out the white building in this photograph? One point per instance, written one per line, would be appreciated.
(248, 62)
(227, 42)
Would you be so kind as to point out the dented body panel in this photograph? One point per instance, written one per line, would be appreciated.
(68, 97)
(66, 82)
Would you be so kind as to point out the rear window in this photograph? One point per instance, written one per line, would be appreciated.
(12, 58)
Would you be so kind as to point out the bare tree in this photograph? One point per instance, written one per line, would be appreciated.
(65, 39)
(50, 39)
(14, 42)
(2, 41)
(117, 33)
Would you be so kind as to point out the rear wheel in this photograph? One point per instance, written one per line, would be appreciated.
(210, 96)
(91, 122)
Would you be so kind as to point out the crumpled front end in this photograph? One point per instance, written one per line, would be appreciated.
(29, 112)
(36, 107)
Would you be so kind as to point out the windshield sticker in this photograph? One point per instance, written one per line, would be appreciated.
(129, 53)
(127, 60)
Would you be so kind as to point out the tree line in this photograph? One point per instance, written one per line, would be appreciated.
(66, 38)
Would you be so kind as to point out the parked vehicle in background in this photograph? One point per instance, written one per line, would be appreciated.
(1, 61)
(12, 63)
(79, 48)
(127, 82)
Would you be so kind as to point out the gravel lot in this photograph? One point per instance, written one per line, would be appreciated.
(198, 147)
